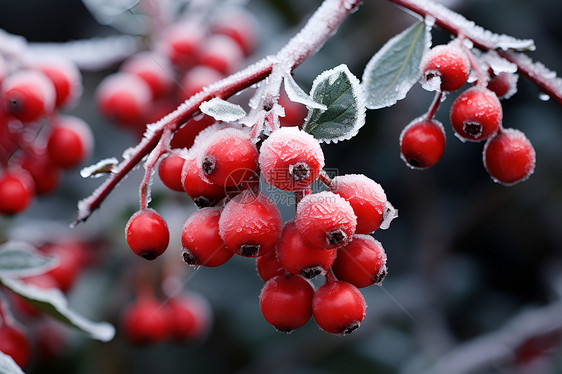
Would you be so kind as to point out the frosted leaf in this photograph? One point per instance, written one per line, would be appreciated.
(389, 214)
(100, 168)
(90, 54)
(297, 94)
(19, 259)
(342, 93)
(222, 110)
(8, 365)
(395, 68)
(54, 303)
(120, 14)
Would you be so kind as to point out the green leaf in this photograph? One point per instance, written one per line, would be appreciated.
(18, 259)
(340, 91)
(8, 365)
(54, 303)
(395, 68)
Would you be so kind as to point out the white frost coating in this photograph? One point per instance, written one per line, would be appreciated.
(222, 110)
(432, 84)
(296, 93)
(20, 259)
(99, 168)
(98, 330)
(470, 29)
(498, 63)
(91, 54)
(389, 214)
(356, 91)
(8, 365)
(538, 71)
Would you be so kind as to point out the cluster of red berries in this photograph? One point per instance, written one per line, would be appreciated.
(148, 321)
(184, 57)
(221, 173)
(47, 337)
(36, 142)
(476, 115)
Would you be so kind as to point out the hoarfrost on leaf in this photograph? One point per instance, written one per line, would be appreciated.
(395, 68)
(100, 168)
(297, 94)
(54, 303)
(19, 259)
(341, 92)
(222, 110)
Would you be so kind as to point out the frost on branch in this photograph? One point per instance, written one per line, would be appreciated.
(395, 68)
(340, 91)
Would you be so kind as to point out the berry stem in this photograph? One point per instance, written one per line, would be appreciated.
(319, 28)
(161, 148)
(330, 276)
(457, 25)
(324, 178)
(434, 106)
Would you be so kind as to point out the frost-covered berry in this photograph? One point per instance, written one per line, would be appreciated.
(366, 197)
(147, 234)
(338, 307)
(446, 65)
(238, 24)
(325, 220)
(298, 257)
(221, 53)
(70, 142)
(504, 84)
(202, 193)
(476, 114)
(195, 79)
(16, 191)
(228, 157)
(509, 157)
(28, 95)
(170, 171)
(250, 224)
(179, 43)
(422, 143)
(200, 239)
(185, 136)
(154, 69)
(290, 159)
(65, 76)
(124, 98)
(286, 302)
(361, 262)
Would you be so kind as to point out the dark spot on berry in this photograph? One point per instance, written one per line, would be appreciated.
(299, 171)
(349, 329)
(336, 237)
(209, 164)
(311, 271)
(148, 255)
(249, 250)
(415, 163)
(473, 129)
(15, 106)
(189, 258)
(378, 278)
(203, 202)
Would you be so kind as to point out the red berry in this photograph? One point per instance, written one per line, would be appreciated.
(28, 95)
(195, 79)
(250, 224)
(147, 234)
(361, 262)
(145, 322)
(366, 197)
(295, 113)
(66, 79)
(169, 171)
(298, 257)
(201, 241)
(221, 53)
(189, 317)
(180, 42)
(325, 220)
(70, 142)
(338, 307)
(509, 157)
(152, 68)
(15, 343)
(290, 159)
(228, 157)
(476, 114)
(268, 266)
(239, 25)
(69, 256)
(16, 191)
(203, 193)
(504, 85)
(124, 98)
(422, 143)
(447, 63)
(286, 302)
(46, 175)
(185, 135)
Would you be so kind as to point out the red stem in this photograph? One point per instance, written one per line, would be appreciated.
(434, 106)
